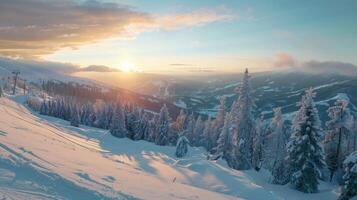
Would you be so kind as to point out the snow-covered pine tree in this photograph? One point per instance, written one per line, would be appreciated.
(104, 116)
(352, 140)
(258, 143)
(198, 131)
(182, 145)
(191, 129)
(223, 147)
(67, 114)
(1, 91)
(153, 127)
(354, 135)
(207, 138)
(349, 189)
(75, 120)
(61, 108)
(179, 124)
(218, 123)
(338, 128)
(141, 128)
(51, 108)
(86, 113)
(57, 112)
(117, 126)
(163, 127)
(44, 108)
(305, 155)
(131, 123)
(244, 123)
(276, 151)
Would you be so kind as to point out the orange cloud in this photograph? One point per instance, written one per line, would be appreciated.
(195, 18)
(31, 28)
(284, 60)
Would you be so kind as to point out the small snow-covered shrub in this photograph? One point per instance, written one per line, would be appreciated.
(34, 103)
(182, 146)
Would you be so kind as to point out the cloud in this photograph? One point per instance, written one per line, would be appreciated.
(98, 68)
(192, 68)
(331, 67)
(284, 60)
(31, 28)
(37, 27)
(199, 17)
(181, 64)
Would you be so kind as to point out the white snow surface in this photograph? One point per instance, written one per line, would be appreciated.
(181, 104)
(45, 158)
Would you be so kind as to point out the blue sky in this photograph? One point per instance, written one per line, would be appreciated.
(221, 36)
(308, 29)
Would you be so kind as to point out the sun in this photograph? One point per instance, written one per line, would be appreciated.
(127, 67)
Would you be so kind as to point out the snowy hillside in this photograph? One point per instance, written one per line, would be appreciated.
(45, 158)
(269, 90)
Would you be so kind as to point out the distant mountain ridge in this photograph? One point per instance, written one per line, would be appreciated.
(200, 94)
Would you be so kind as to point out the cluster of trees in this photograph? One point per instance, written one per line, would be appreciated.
(296, 151)
(350, 177)
(296, 154)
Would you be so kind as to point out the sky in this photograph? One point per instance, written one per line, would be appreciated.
(180, 36)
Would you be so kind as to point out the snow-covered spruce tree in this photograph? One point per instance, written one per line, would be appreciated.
(182, 145)
(354, 135)
(198, 131)
(179, 124)
(217, 124)
(258, 150)
(177, 127)
(51, 108)
(338, 129)
(349, 189)
(153, 128)
(191, 129)
(163, 127)
(244, 123)
(207, 140)
(117, 126)
(68, 109)
(305, 155)
(1, 91)
(105, 116)
(223, 148)
(276, 151)
(141, 128)
(44, 108)
(87, 114)
(131, 123)
(75, 120)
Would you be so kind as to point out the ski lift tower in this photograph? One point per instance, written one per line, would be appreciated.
(15, 73)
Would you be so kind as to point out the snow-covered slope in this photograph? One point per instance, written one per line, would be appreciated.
(45, 158)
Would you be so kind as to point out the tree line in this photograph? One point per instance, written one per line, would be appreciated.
(298, 152)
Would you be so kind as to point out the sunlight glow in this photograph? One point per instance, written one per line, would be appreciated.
(126, 66)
